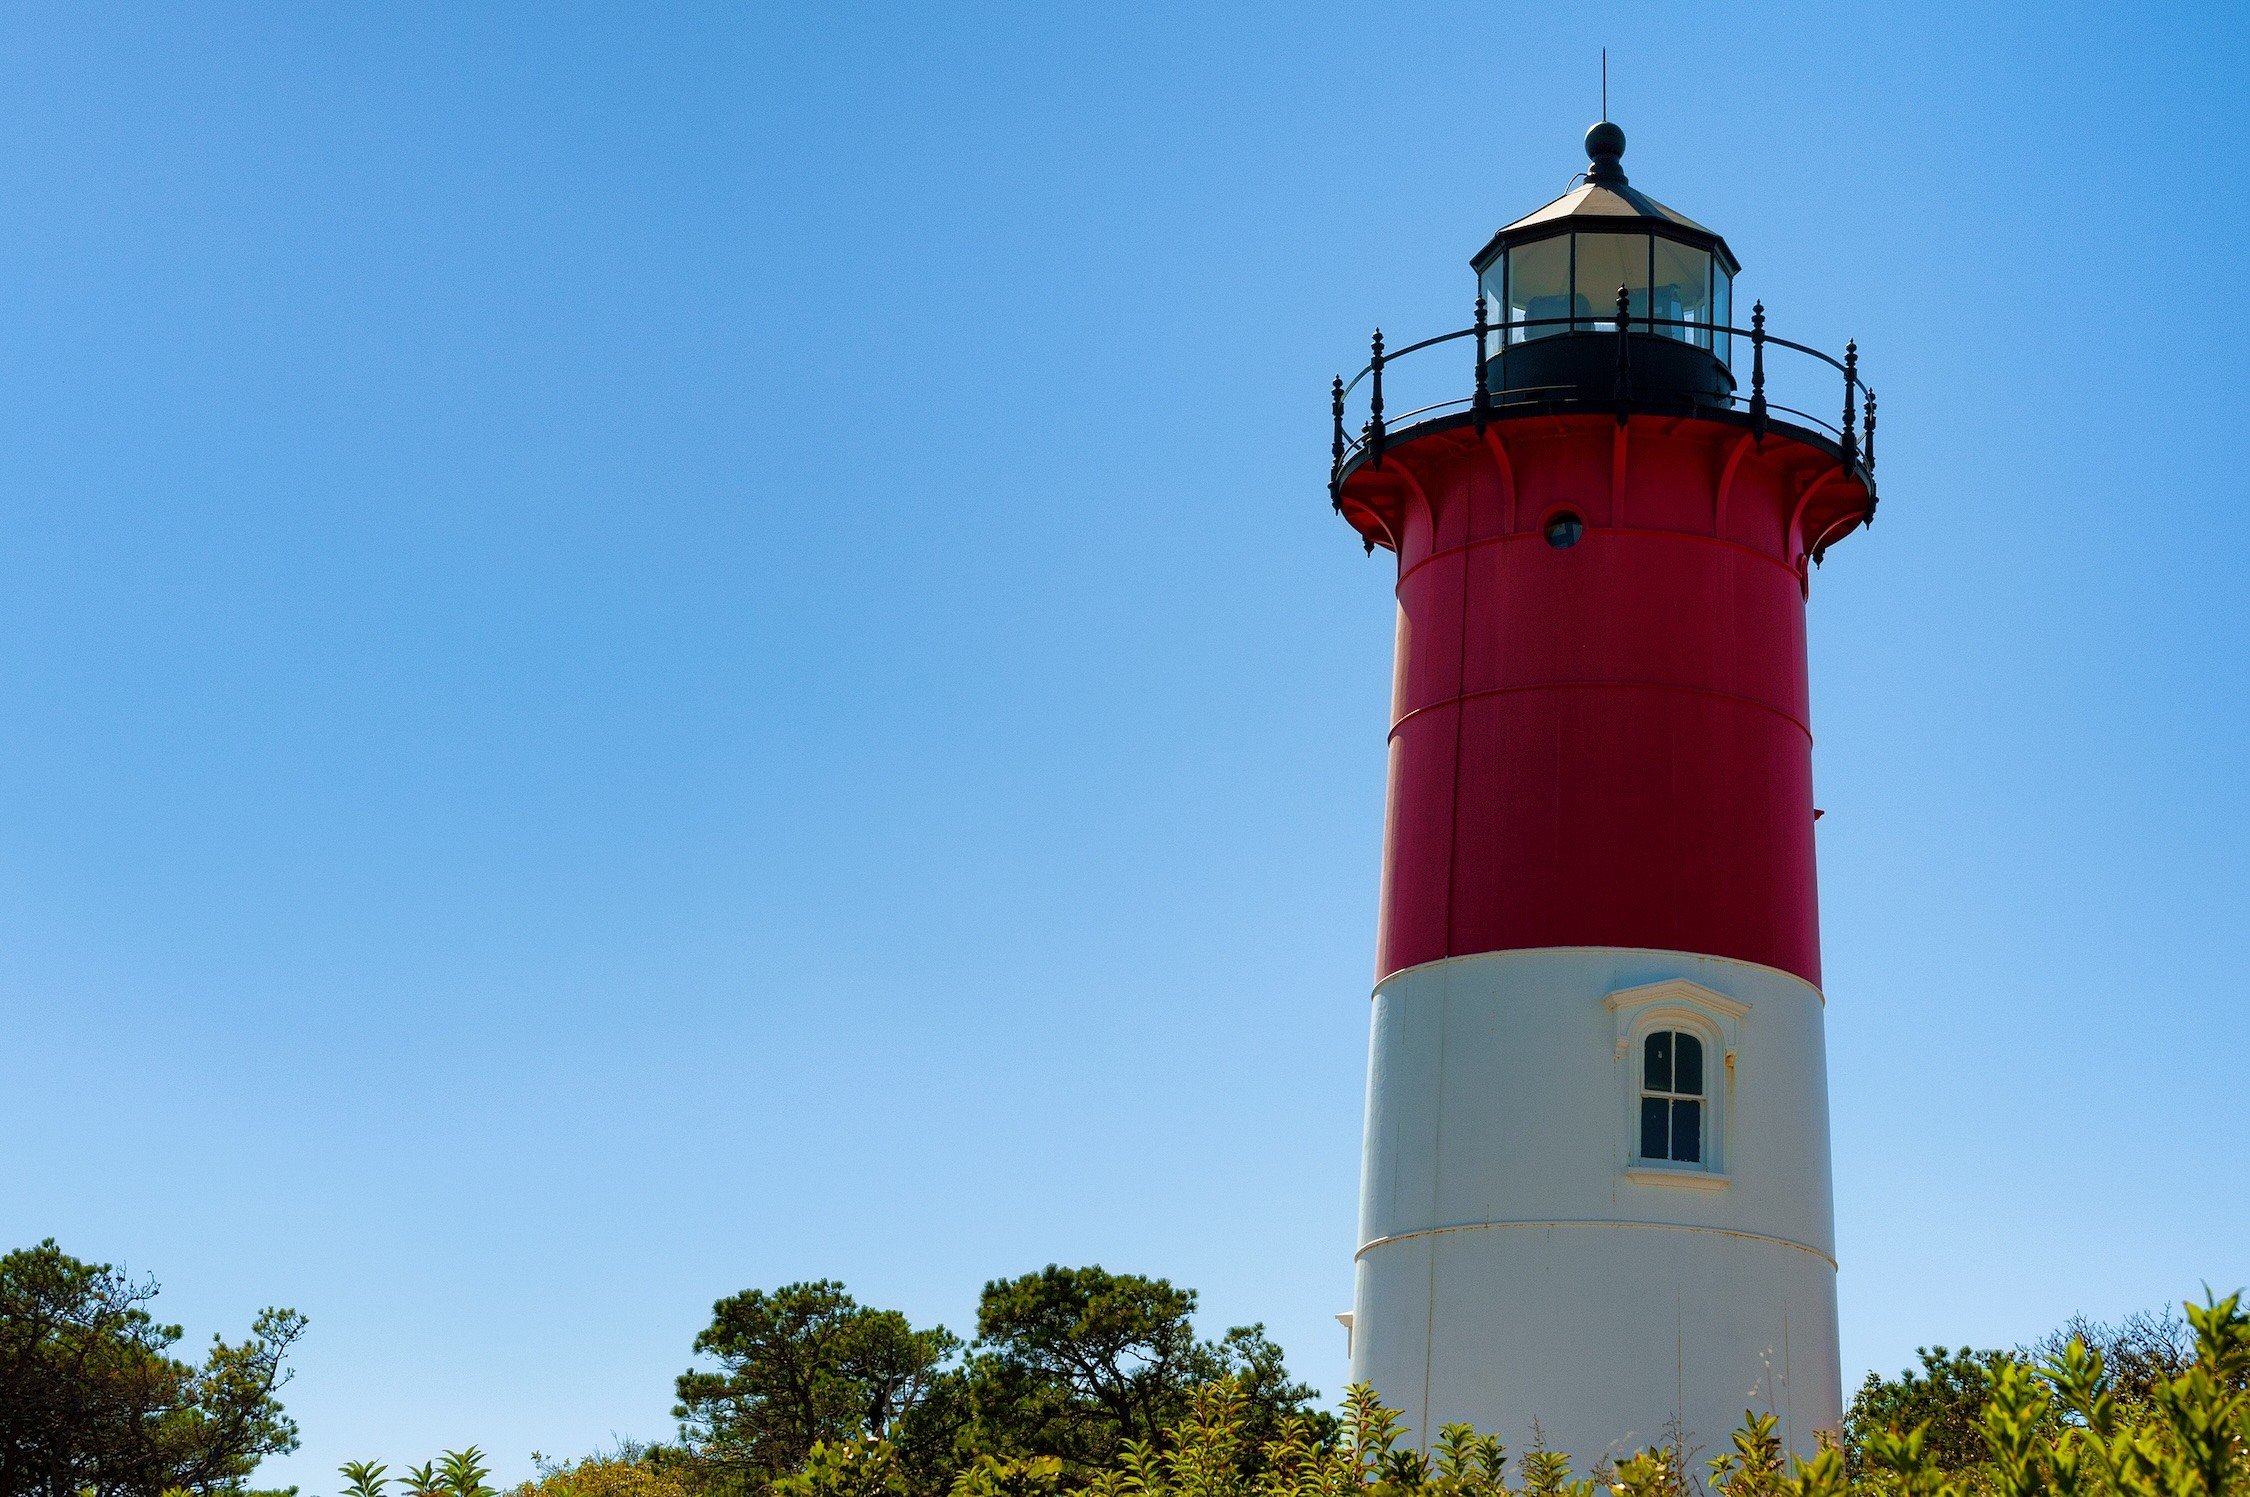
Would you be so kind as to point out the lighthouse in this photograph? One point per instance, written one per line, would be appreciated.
(1595, 1183)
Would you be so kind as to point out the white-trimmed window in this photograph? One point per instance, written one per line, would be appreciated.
(1676, 1043)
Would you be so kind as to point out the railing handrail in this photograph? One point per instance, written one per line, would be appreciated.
(1602, 325)
(1536, 394)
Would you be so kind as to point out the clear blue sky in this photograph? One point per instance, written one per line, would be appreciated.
(641, 655)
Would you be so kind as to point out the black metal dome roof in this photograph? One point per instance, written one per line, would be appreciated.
(1605, 203)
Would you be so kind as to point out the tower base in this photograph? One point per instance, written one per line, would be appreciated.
(1521, 1260)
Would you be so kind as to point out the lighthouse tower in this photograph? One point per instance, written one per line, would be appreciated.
(1596, 1174)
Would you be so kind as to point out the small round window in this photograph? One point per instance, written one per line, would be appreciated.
(1564, 529)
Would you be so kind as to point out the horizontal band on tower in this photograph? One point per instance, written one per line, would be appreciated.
(1802, 1247)
(1387, 979)
(1638, 531)
(1484, 692)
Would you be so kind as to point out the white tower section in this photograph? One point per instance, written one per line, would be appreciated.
(1519, 1259)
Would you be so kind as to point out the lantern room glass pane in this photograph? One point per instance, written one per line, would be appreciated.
(1606, 262)
(1682, 291)
(1538, 286)
(1722, 313)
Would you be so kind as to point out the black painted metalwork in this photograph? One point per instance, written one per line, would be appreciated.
(1851, 401)
(1624, 209)
(1758, 370)
(1375, 405)
(1482, 401)
(1491, 399)
(1625, 350)
(1336, 450)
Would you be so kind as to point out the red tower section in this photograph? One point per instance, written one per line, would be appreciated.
(1600, 730)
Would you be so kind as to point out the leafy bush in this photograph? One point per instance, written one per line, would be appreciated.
(629, 1472)
(2066, 1425)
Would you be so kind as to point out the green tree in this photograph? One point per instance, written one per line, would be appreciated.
(91, 1399)
(2070, 1427)
(1249, 1359)
(1071, 1363)
(2138, 1352)
(1945, 1400)
(803, 1366)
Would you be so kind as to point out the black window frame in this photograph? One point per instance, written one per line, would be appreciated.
(1662, 1107)
(1721, 345)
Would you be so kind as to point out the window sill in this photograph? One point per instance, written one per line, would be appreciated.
(1684, 1179)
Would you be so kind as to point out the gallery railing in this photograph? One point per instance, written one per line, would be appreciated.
(1851, 437)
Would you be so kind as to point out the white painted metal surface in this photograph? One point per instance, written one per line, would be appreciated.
(1519, 1261)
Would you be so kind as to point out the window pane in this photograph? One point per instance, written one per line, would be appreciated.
(1687, 1130)
(1687, 1065)
(1654, 1113)
(1606, 262)
(1656, 1063)
(1722, 312)
(1682, 291)
(1539, 285)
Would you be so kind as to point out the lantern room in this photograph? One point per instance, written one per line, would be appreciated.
(1607, 303)
(1601, 249)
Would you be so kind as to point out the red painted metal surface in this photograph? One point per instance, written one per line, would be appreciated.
(1604, 745)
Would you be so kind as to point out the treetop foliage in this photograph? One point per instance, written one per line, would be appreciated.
(1948, 1395)
(804, 1365)
(91, 1399)
(1068, 1364)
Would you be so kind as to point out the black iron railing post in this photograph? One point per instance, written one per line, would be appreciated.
(1336, 444)
(1867, 452)
(1851, 402)
(1480, 402)
(1624, 351)
(1758, 370)
(1375, 402)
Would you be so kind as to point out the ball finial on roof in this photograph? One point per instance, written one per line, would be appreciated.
(1605, 145)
